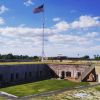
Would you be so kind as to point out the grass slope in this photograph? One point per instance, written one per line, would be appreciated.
(38, 87)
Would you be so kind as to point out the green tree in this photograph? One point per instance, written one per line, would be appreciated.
(36, 58)
(86, 57)
(97, 57)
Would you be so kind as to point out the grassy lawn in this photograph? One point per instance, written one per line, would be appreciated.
(16, 63)
(50, 62)
(41, 86)
(47, 62)
(97, 88)
(2, 98)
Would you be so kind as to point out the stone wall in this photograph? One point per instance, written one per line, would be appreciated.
(68, 70)
(13, 74)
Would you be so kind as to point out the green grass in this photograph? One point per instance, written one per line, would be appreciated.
(20, 63)
(2, 98)
(39, 87)
(17, 63)
(97, 88)
(46, 62)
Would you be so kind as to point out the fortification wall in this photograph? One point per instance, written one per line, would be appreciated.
(13, 74)
(68, 70)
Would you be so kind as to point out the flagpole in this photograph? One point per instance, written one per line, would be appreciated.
(38, 10)
(43, 26)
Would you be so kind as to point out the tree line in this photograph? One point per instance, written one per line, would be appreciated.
(97, 57)
(11, 57)
(85, 57)
(17, 57)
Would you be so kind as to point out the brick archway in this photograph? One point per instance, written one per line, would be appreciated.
(78, 74)
(68, 74)
(62, 75)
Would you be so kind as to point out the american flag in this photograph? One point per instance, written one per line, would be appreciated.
(38, 9)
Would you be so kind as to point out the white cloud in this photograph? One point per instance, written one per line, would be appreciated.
(56, 37)
(20, 38)
(2, 21)
(62, 26)
(3, 9)
(69, 40)
(92, 34)
(56, 19)
(26, 35)
(28, 3)
(86, 21)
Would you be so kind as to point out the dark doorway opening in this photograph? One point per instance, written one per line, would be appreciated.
(68, 74)
(63, 75)
(79, 74)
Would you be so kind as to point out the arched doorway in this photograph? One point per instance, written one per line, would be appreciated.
(62, 75)
(78, 74)
(68, 74)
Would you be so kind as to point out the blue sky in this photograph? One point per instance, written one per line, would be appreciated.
(72, 27)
